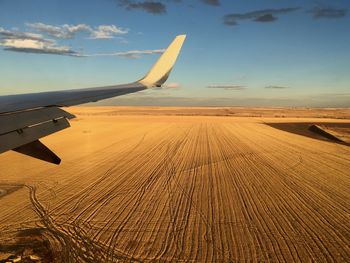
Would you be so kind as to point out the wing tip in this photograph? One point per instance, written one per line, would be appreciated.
(182, 36)
(160, 71)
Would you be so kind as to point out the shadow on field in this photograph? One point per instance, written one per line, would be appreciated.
(6, 189)
(331, 132)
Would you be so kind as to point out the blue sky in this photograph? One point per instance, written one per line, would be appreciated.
(237, 52)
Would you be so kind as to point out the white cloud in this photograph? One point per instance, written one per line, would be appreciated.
(6, 34)
(64, 31)
(37, 43)
(69, 31)
(107, 32)
(40, 49)
(33, 44)
(128, 54)
(23, 43)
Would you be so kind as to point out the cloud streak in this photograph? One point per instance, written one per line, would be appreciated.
(264, 15)
(24, 42)
(6, 34)
(330, 13)
(172, 85)
(169, 86)
(276, 87)
(157, 7)
(32, 43)
(133, 54)
(227, 87)
(107, 32)
(211, 2)
(64, 51)
(66, 31)
(42, 47)
(152, 7)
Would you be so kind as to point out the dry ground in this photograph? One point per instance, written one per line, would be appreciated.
(153, 188)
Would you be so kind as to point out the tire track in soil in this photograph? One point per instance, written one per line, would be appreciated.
(205, 191)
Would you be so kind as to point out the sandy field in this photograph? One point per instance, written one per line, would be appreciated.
(142, 184)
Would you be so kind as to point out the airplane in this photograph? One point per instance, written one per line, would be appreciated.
(25, 118)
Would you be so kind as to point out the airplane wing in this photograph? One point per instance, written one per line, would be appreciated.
(25, 118)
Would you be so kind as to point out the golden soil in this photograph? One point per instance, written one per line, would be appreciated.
(143, 185)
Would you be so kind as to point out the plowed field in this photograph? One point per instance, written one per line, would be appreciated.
(143, 188)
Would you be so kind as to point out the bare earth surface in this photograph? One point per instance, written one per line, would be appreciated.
(146, 185)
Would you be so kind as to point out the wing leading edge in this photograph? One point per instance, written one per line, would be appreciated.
(25, 118)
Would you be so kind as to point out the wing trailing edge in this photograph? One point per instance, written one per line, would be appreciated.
(21, 131)
(25, 118)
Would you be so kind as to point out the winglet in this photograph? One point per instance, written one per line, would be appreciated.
(162, 68)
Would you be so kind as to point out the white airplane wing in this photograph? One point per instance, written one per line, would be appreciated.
(25, 118)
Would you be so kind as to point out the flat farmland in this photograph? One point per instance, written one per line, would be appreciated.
(135, 186)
